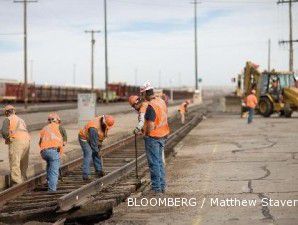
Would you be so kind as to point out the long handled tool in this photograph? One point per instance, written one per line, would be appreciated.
(136, 155)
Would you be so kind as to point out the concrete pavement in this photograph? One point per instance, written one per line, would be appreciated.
(225, 165)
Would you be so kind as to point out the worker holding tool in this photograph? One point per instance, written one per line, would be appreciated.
(53, 138)
(251, 102)
(183, 109)
(156, 132)
(140, 106)
(16, 136)
(91, 138)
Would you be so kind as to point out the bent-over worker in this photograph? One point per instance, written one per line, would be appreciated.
(91, 138)
(183, 108)
(52, 139)
(140, 106)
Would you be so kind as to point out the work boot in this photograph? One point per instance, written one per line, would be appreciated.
(86, 179)
(100, 174)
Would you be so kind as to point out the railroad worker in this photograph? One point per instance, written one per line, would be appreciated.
(16, 136)
(156, 132)
(53, 138)
(91, 138)
(140, 106)
(183, 108)
(251, 103)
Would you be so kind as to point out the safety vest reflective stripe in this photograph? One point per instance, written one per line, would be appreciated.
(17, 128)
(95, 123)
(161, 128)
(51, 137)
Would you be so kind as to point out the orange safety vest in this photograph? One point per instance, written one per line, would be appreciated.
(17, 128)
(182, 107)
(143, 107)
(51, 137)
(95, 123)
(161, 128)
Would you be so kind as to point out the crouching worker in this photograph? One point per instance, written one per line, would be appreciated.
(140, 106)
(17, 138)
(91, 138)
(52, 139)
(183, 108)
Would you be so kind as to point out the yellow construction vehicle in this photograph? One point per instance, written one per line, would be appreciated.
(276, 91)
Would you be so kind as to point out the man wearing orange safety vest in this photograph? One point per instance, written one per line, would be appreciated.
(183, 109)
(251, 103)
(156, 132)
(91, 138)
(140, 106)
(16, 136)
(52, 139)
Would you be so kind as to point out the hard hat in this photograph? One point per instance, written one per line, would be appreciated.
(187, 101)
(9, 107)
(134, 99)
(147, 86)
(54, 116)
(108, 120)
(253, 91)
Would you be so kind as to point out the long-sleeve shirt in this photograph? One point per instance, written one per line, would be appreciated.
(93, 139)
(5, 129)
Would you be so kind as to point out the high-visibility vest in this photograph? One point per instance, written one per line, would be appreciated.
(51, 137)
(95, 123)
(143, 107)
(17, 128)
(182, 107)
(161, 128)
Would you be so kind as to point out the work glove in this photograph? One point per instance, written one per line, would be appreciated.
(136, 131)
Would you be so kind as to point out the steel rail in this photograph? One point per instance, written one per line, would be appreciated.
(82, 195)
(33, 182)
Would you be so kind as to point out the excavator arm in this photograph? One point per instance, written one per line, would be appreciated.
(251, 78)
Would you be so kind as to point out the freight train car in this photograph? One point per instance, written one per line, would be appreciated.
(13, 91)
(123, 91)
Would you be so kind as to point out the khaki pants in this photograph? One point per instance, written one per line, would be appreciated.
(182, 114)
(18, 160)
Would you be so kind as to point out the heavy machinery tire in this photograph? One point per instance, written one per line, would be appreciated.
(265, 107)
(288, 111)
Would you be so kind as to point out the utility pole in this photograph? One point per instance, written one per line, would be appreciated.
(31, 70)
(74, 74)
(196, 43)
(25, 50)
(106, 51)
(290, 41)
(92, 32)
(269, 54)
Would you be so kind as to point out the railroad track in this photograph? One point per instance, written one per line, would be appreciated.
(30, 201)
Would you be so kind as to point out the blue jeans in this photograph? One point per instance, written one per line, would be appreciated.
(154, 149)
(251, 113)
(51, 156)
(88, 153)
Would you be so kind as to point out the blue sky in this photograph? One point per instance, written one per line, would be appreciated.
(146, 38)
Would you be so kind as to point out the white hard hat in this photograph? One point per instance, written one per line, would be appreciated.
(147, 86)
